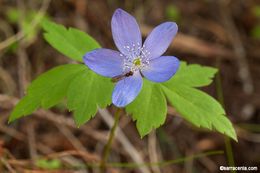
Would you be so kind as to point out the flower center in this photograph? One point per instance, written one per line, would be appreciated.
(137, 62)
(137, 59)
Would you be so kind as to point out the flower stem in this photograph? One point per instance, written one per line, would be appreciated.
(107, 148)
(220, 97)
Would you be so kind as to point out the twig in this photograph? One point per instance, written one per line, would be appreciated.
(60, 119)
(209, 164)
(123, 165)
(8, 81)
(189, 44)
(40, 146)
(7, 30)
(246, 135)
(9, 102)
(153, 151)
(7, 165)
(110, 140)
(241, 55)
(85, 154)
(31, 140)
(21, 34)
(168, 162)
(189, 164)
(12, 132)
(73, 140)
(120, 136)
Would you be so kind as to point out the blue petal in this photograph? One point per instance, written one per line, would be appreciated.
(159, 39)
(127, 89)
(161, 69)
(105, 62)
(126, 33)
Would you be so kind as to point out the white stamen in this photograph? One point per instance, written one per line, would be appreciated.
(137, 59)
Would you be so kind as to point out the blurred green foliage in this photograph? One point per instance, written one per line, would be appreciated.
(256, 11)
(49, 164)
(255, 31)
(12, 48)
(173, 13)
(14, 16)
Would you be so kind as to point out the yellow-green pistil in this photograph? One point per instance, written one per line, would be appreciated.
(137, 62)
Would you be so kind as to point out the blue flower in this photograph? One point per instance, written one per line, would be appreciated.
(135, 60)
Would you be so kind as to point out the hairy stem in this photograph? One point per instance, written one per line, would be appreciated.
(107, 148)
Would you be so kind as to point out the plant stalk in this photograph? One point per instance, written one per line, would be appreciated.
(107, 148)
(228, 146)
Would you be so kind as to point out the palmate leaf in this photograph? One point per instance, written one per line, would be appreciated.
(149, 109)
(47, 90)
(85, 90)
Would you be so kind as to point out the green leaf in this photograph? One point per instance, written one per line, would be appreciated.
(86, 93)
(193, 75)
(199, 108)
(71, 42)
(149, 108)
(47, 90)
